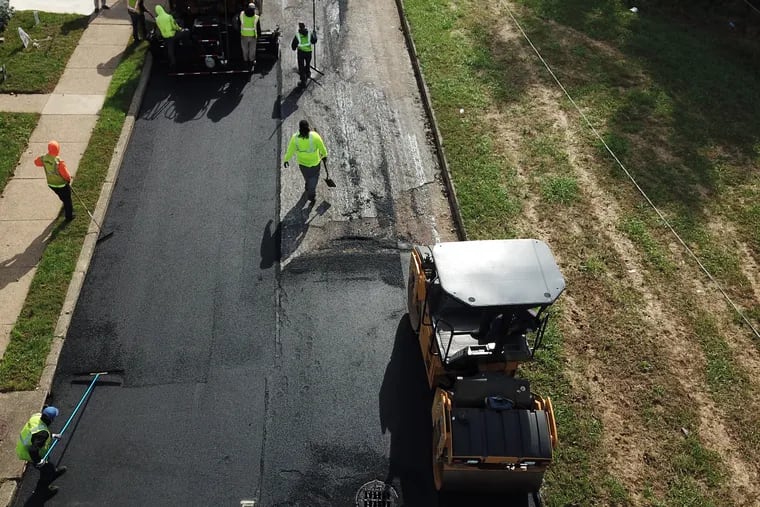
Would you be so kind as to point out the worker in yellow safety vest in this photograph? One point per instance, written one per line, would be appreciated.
(249, 32)
(309, 150)
(136, 10)
(302, 44)
(33, 443)
(168, 28)
(57, 176)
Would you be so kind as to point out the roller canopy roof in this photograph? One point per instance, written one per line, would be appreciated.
(511, 272)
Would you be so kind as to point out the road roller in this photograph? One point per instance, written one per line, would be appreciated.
(480, 309)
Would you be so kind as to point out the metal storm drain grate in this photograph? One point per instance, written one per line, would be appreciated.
(376, 494)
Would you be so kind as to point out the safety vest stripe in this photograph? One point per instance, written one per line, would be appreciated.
(304, 41)
(26, 438)
(311, 144)
(248, 25)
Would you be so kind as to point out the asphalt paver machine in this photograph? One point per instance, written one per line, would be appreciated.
(479, 309)
(209, 42)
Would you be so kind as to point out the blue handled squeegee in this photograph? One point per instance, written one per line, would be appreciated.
(95, 377)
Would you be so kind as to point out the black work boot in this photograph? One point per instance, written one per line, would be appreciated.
(60, 471)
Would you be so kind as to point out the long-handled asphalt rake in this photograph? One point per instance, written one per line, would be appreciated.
(100, 229)
(95, 377)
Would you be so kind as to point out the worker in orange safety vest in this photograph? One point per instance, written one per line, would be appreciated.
(58, 177)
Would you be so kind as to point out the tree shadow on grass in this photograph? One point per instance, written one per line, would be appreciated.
(673, 97)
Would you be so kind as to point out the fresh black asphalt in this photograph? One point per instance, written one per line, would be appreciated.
(231, 380)
(177, 299)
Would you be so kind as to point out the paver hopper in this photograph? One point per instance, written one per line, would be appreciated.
(210, 40)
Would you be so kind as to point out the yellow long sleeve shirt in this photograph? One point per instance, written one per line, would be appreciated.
(308, 151)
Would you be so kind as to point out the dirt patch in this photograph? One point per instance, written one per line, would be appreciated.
(629, 447)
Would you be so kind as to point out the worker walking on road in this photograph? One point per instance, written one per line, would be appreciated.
(310, 150)
(33, 443)
(168, 28)
(249, 32)
(58, 177)
(136, 10)
(302, 44)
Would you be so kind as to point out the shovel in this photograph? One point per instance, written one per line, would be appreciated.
(330, 183)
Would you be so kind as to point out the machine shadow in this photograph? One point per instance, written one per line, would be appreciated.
(405, 400)
(405, 411)
(190, 98)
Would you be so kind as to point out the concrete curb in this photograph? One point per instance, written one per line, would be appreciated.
(437, 138)
(91, 238)
(8, 488)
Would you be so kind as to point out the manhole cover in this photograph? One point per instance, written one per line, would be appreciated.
(376, 494)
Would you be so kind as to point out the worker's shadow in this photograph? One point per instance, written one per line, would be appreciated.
(231, 93)
(21, 263)
(37, 499)
(405, 400)
(280, 244)
(289, 104)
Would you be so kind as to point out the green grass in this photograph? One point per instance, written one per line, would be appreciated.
(16, 129)
(677, 105)
(560, 189)
(462, 74)
(645, 82)
(579, 431)
(22, 364)
(638, 231)
(37, 69)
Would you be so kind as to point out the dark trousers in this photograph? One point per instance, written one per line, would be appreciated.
(47, 476)
(171, 50)
(138, 23)
(310, 179)
(171, 45)
(304, 65)
(64, 194)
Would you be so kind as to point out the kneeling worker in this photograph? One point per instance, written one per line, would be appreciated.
(33, 443)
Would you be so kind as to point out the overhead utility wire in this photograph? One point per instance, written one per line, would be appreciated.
(752, 6)
(630, 177)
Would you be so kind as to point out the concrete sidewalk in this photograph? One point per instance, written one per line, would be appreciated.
(29, 210)
(62, 6)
